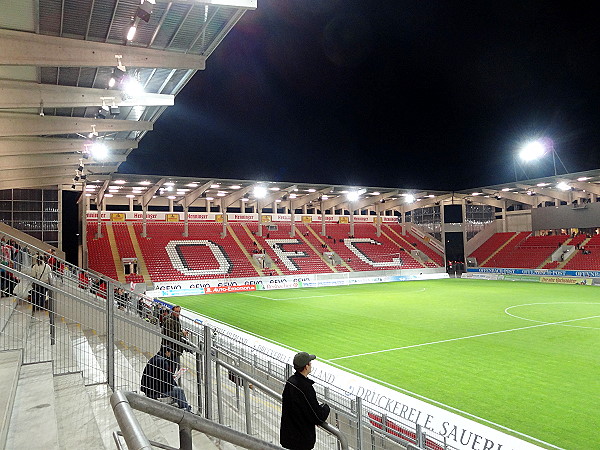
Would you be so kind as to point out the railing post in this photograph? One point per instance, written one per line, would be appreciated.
(247, 408)
(208, 373)
(185, 438)
(219, 393)
(359, 422)
(110, 336)
(51, 316)
(199, 379)
(419, 437)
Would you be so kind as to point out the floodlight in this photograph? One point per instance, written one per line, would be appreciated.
(99, 151)
(132, 30)
(563, 186)
(352, 196)
(532, 151)
(409, 198)
(103, 112)
(260, 192)
(131, 87)
(116, 77)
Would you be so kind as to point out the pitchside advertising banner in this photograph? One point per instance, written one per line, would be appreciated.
(231, 217)
(540, 272)
(220, 285)
(460, 432)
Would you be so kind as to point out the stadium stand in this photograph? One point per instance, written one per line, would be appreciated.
(100, 253)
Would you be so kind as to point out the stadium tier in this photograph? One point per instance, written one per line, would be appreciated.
(204, 253)
(521, 250)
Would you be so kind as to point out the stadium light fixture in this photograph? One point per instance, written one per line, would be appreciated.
(563, 186)
(99, 151)
(260, 192)
(409, 198)
(532, 151)
(352, 196)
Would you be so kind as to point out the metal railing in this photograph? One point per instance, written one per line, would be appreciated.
(85, 329)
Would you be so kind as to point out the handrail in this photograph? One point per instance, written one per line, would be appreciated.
(277, 396)
(123, 403)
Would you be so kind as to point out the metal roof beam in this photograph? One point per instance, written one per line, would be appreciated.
(144, 200)
(36, 146)
(34, 125)
(31, 183)
(192, 196)
(519, 198)
(230, 199)
(11, 175)
(18, 48)
(23, 94)
(306, 199)
(588, 187)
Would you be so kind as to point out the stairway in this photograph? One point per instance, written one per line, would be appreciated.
(70, 410)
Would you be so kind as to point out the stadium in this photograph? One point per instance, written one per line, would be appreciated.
(441, 319)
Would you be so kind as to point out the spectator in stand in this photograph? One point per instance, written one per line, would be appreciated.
(41, 272)
(300, 409)
(172, 329)
(157, 379)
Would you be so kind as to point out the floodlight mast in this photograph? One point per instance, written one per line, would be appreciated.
(535, 150)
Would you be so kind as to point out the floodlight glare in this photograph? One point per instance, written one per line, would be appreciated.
(409, 198)
(532, 151)
(131, 87)
(352, 196)
(260, 192)
(563, 186)
(99, 151)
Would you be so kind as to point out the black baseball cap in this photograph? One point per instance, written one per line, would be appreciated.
(302, 359)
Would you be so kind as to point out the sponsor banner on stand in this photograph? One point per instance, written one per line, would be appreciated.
(284, 285)
(540, 272)
(218, 282)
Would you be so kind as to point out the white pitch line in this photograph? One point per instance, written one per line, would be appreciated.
(461, 338)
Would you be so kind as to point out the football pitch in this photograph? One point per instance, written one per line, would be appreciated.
(525, 356)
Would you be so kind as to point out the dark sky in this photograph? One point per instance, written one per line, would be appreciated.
(410, 94)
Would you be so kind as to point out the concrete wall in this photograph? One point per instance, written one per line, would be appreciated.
(585, 216)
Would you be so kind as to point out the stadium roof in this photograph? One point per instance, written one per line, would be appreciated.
(56, 60)
(184, 191)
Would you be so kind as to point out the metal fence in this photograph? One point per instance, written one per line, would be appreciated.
(85, 325)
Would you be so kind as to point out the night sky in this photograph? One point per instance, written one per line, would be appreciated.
(410, 94)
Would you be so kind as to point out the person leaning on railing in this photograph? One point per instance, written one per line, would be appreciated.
(172, 328)
(300, 409)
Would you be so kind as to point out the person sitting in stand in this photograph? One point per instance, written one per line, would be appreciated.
(157, 379)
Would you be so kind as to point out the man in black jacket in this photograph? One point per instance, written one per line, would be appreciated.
(157, 379)
(300, 410)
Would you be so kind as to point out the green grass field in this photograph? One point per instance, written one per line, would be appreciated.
(522, 355)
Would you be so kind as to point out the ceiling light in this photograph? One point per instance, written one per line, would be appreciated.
(235, 186)
(583, 178)
(209, 198)
(119, 181)
(352, 196)
(215, 186)
(146, 183)
(130, 196)
(409, 198)
(192, 185)
(563, 186)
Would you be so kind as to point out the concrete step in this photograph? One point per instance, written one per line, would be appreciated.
(34, 406)
(37, 346)
(7, 307)
(62, 350)
(76, 422)
(10, 369)
(85, 357)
